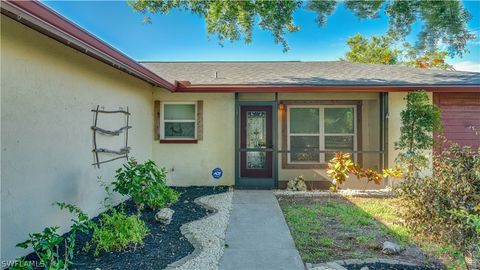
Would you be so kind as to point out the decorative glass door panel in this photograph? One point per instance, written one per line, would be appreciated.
(256, 143)
(256, 138)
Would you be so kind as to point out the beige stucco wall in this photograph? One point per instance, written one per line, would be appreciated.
(192, 164)
(47, 92)
(396, 104)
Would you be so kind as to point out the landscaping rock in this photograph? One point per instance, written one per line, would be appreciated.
(164, 215)
(391, 248)
(207, 235)
(414, 252)
(335, 266)
(297, 184)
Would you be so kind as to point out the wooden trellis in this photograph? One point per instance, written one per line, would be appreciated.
(123, 152)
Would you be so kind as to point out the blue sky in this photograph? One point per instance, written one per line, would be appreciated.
(181, 36)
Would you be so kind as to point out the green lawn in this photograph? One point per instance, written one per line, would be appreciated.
(326, 229)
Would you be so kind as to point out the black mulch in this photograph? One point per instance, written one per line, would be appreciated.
(386, 266)
(164, 245)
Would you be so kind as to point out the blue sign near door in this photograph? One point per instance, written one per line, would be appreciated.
(217, 173)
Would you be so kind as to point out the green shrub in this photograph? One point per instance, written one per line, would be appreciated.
(117, 231)
(474, 221)
(341, 166)
(420, 119)
(145, 184)
(46, 244)
(430, 203)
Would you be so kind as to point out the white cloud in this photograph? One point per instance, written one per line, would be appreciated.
(467, 66)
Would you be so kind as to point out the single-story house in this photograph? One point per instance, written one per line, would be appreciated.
(242, 124)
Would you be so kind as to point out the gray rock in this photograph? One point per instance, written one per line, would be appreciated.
(164, 215)
(352, 261)
(414, 252)
(335, 266)
(297, 184)
(391, 248)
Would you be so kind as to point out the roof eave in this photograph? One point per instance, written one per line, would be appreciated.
(43, 19)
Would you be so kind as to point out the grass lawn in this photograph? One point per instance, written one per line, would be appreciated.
(334, 228)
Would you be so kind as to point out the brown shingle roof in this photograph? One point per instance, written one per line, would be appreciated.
(306, 73)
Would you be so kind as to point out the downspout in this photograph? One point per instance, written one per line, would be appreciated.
(237, 142)
(384, 131)
(275, 139)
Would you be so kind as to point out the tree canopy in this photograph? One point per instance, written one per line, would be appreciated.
(431, 58)
(442, 21)
(384, 50)
(378, 50)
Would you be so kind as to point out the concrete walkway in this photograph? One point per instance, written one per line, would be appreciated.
(257, 236)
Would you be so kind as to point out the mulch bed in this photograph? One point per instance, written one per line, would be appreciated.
(164, 245)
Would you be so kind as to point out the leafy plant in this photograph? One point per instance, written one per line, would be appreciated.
(46, 246)
(341, 166)
(430, 204)
(117, 231)
(145, 184)
(474, 221)
(339, 169)
(48, 243)
(420, 119)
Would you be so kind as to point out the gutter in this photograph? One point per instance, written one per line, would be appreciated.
(43, 19)
(185, 86)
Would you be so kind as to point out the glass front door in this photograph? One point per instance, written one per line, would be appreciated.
(256, 142)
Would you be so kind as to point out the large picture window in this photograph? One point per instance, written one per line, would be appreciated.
(179, 120)
(316, 128)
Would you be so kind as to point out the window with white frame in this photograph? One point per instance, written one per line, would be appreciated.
(178, 121)
(313, 129)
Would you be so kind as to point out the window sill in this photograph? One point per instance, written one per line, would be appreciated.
(180, 141)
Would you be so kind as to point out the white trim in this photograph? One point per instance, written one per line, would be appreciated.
(163, 121)
(321, 134)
